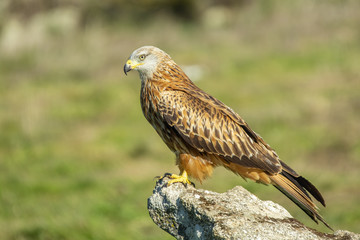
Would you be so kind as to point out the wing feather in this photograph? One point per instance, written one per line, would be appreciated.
(210, 126)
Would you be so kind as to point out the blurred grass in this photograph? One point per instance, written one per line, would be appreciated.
(78, 158)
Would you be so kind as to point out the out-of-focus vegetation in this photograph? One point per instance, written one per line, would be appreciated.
(77, 158)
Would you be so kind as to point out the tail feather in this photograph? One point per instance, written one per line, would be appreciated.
(294, 181)
(295, 187)
(289, 172)
(311, 189)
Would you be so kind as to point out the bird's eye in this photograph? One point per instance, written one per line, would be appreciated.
(142, 57)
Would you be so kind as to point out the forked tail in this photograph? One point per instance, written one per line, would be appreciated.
(297, 189)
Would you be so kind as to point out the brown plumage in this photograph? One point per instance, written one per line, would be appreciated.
(205, 133)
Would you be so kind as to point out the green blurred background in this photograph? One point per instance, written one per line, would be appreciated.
(78, 159)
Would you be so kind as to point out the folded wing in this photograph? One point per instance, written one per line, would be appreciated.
(209, 126)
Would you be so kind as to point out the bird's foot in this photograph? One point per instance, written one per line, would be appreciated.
(183, 178)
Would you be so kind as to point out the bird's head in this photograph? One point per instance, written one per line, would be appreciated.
(145, 60)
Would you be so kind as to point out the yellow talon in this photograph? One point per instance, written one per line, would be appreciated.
(183, 178)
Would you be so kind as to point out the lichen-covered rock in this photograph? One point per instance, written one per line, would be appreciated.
(189, 213)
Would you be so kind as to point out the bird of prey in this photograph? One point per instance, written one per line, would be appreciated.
(205, 133)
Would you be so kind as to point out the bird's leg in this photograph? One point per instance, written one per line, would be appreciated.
(183, 178)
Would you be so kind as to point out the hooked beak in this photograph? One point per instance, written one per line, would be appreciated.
(127, 67)
(130, 65)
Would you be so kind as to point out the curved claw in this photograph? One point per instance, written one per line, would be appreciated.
(161, 177)
(183, 178)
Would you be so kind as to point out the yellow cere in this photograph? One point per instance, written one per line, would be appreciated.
(132, 65)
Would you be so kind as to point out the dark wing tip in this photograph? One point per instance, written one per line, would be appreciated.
(311, 189)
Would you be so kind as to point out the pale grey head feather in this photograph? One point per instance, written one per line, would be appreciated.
(153, 57)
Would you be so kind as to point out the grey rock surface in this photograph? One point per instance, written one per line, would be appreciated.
(189, 213)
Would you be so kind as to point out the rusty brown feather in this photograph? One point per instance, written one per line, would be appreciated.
(204, 133)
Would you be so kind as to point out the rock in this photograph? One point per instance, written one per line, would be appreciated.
(189, 213)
